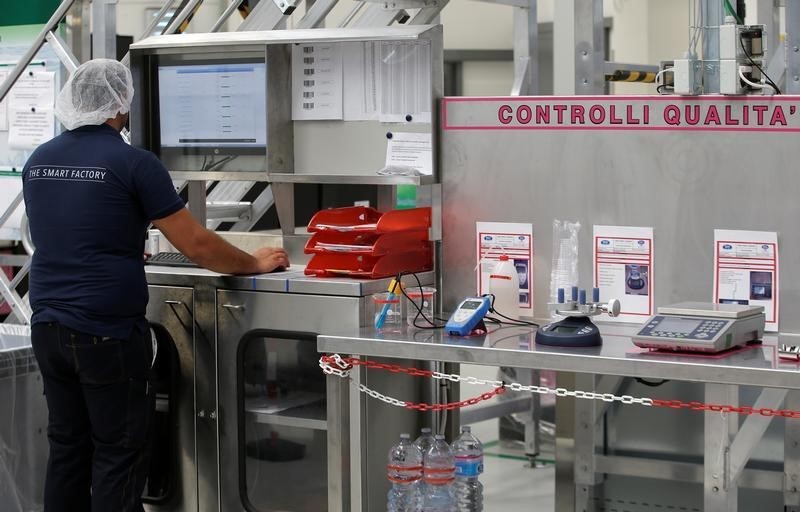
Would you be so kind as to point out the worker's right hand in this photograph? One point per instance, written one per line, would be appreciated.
(269, 259)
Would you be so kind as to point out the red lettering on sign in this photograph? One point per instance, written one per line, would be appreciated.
(542, 114)
(524, 114)
(597, 114)
(504, 114)
(560, 109)
(577, 113)
(712, 116)
(692, 114)
(672, 115)
(629, 115)
(729, 119)
(760, 109)
(778, 117)
(612, 115)
(646, 116)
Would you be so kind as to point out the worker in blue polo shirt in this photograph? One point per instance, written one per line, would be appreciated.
(90, 197)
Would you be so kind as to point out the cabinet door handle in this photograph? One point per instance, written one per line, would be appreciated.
(237, 307)
(173, 302)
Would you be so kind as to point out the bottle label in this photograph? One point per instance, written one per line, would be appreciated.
(469, 467)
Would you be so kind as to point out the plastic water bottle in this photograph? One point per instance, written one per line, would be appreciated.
(468, 453)
(504, 285)
(439, 469)
(424, 442)
(404, 471)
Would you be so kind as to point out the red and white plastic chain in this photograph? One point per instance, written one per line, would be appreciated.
(341, 366)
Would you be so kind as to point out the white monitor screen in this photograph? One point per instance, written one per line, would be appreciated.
(215, 105)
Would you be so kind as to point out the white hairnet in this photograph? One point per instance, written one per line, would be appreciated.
(98, 90)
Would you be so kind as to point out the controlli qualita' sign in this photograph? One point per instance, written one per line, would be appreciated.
(715, 113)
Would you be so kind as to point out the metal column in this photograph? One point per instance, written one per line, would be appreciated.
(720, 430)
(791, 457)
(565, 445)
(713, 17)
(792, 47)
(78, 30)
(586, 439)
(104, 29)
(579, 63)
(526, 53)
(338, 400)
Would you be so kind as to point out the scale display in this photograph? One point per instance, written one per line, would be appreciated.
(702, 327)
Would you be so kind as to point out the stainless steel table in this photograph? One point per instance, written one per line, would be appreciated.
(728, 445)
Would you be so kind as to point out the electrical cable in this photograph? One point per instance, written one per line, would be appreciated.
(509, 320)
(766, 77)
(752, 84)
(651, 383)
(431, 322)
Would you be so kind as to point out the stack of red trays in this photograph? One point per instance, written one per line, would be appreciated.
(362, 242)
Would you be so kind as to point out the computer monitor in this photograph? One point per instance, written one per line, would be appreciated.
(212, 107)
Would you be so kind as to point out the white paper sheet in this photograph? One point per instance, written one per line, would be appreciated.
(746, 270)
(404, 93)
(359, 82)
(623, 267)
(316, 81)
(27, 127)
(33, 89)
(514, 240)
(409, 153)
(3, 105)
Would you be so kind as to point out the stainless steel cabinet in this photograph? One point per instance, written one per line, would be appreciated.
(172, 481)
(272, 411)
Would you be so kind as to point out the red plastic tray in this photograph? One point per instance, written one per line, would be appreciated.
(373, 244)
(369, 267)
(351, 218)
(365, 219)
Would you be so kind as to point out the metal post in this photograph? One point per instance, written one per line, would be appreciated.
(578, 43)
(713, 17)
(182, 16)
(63, 51)
(197, 200)
(589, 51)
(792, 47)
(283, 194)
(225, 15)
(791, 457)
(78, 30)
(586, 440)
(104, 29)
(315, 14)
(338, 416)
(526, 52)
(718, 494)
(565, 444)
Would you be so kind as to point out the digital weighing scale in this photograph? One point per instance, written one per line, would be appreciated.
(702, 327)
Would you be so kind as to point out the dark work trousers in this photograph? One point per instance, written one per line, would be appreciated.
(101, 403)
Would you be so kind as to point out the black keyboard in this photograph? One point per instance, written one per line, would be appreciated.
(171, 259)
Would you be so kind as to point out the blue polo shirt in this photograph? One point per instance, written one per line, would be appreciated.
(89, 197)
